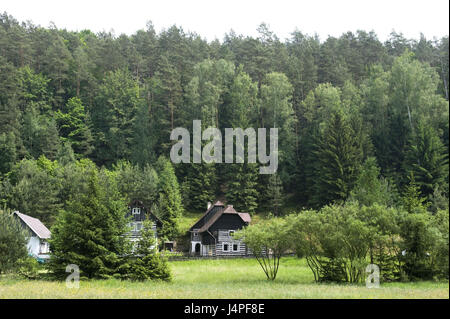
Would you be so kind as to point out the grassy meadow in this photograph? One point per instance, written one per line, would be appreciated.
(222, 278)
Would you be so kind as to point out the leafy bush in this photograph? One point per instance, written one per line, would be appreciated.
(441, 222)
(339, 241)
(268, 241)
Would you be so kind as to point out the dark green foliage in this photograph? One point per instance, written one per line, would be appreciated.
(12, 242)
(136, 182)
(419, 237)
(69, 98)
(146, 263)
(7, 152)
(36, 189)
(427, 159)
(170, 205)
(89, 232)
(28, 268)
(338, 157)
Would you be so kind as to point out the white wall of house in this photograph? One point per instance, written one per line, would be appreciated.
(38, 247)
(193, 244)
(33, 245)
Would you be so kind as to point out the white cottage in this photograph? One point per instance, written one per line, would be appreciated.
(38, 246)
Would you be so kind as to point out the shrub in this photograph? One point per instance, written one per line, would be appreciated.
(268, 241)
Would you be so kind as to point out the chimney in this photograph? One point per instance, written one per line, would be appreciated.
(209, 205)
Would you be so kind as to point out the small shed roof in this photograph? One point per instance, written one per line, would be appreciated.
(35, 225)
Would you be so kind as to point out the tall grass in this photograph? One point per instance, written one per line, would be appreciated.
(222, 278)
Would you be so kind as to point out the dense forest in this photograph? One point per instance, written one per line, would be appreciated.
(353, 113)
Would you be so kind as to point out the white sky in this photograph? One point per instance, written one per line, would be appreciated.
(212, 19)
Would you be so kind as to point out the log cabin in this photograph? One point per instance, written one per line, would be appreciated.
(212, 234)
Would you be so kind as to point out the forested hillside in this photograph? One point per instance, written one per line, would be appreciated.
(353, 113)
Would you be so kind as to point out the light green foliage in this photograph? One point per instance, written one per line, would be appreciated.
(268, 241)
(72, 126)
(370, 188)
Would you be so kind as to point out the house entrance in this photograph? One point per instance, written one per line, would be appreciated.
(197, 249)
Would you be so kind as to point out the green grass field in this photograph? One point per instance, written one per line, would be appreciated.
(222, 278)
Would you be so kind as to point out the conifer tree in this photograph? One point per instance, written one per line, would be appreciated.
(338, 158)
(89, 232)
(427, 159)
(170, 205)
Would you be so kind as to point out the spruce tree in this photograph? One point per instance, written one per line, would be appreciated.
(89, 232)
(427, 159)
(338, 157)
(146, 263)
(170, 205)
(275, 194)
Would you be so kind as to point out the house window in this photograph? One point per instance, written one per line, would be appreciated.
(136, 210)
(138, 226)
(231, 233)
(235, 247)
(225, 247)
(44, 248)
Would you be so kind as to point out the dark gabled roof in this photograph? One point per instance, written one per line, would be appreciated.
(228, 210)
(216, 204)
(35, 225)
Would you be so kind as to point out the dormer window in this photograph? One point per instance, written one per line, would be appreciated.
(136, 211)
